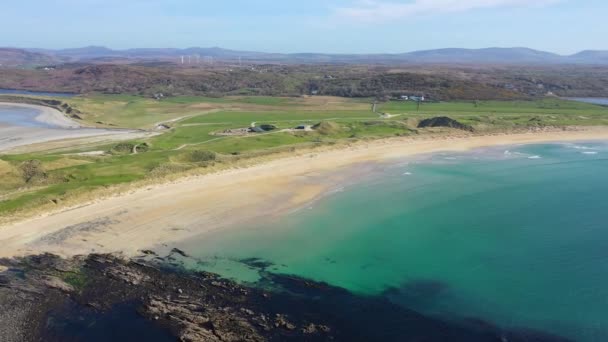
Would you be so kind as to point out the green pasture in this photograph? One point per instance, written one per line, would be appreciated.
(195, 122)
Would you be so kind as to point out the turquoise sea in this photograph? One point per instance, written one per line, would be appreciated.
(517, 237)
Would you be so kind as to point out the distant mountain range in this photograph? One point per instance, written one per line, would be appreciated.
(9, 56)
(12, 57)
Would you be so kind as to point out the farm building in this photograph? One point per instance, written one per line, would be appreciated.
(303, 128)
(417, 98)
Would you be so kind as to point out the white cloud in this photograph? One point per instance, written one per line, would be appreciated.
(374, 10)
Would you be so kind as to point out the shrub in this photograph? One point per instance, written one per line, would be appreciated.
(122, 148)
(327, 127)
(141, 148)
(32, 170)
(200, 156)
(162, 170)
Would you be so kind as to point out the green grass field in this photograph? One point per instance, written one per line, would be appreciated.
(194, 122)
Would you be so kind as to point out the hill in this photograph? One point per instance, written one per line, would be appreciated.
(434, 82)
(10, 57)
(487, 56)
(599, 57)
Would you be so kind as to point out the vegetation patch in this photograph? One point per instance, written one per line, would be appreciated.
(141, 148)
(32, 171)
(166, 169)
(122, 148)
(77, 280)
(327, 127)
(444, 121)
(198, 156)
(63, 163)
(10, 175)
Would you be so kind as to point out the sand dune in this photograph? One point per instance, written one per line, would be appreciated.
(156, 216)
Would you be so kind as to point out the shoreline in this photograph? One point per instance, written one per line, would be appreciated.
(156, 216)
(48, 115)
(63, 132)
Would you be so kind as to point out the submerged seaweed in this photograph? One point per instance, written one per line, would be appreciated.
(126, 300)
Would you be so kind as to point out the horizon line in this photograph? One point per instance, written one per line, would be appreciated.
(301, 52)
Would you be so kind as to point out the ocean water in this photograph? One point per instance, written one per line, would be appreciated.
(35, 93)
(20, 116)
(594, 100)
(516, 237)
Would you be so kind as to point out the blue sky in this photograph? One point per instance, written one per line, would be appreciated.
(338, 26)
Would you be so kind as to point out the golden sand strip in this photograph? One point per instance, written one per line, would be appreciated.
(162, 214)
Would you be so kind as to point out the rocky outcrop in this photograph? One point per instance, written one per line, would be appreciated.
(193, 307)
(444, 121)
(103, 297)
(58, 284)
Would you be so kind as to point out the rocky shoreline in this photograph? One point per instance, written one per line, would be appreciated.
(105, 297)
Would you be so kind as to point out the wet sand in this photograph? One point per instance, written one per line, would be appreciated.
(63, 132)
(48, 115)
(156, 216)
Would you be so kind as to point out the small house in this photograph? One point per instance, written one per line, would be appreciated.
(256, 130)
(303, 128)
(417, 98)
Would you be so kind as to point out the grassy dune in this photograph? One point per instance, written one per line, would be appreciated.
(64, 175)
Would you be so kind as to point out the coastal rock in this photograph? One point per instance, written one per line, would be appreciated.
(179, 252)
(280, 321)
(144, 297)
(315, 329)
(58, 284)
(202, 322)
(126, 274)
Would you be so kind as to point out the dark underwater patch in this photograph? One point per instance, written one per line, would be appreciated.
(416, 291)
(133, 300)
(72, 322)
(257, 263)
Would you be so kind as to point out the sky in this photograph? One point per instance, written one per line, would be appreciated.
(330, 26)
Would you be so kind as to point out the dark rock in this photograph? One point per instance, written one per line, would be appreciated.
(143, 298)
(58, 284)
(180, 252)
(280, 321)
(444, 121)
(315, 329)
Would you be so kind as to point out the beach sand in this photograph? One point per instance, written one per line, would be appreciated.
(65, 132)
(156, 216)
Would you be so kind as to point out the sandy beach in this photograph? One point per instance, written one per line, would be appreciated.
(156, 216)
(63, 132)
